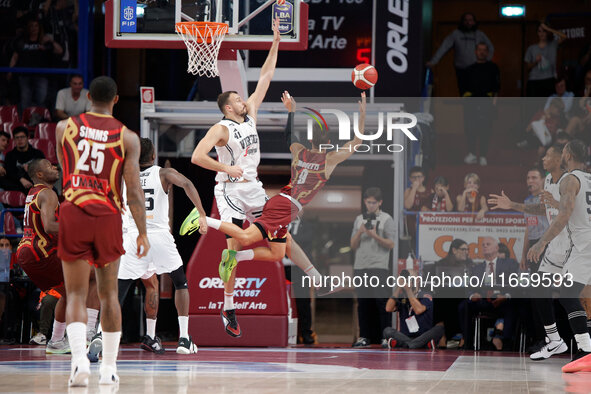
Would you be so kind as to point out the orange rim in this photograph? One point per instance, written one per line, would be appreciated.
(207, 30)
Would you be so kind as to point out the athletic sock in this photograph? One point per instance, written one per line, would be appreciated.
(552, 332)
(99, 328)
(77, 340)
(583, 342)
(151, 327)
(313, 273)
(228, 301)
(58, 331)
(213, 223)
(184, 327)
(242, 255)
(110, 348)
(92, 316)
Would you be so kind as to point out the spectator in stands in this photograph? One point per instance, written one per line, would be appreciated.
(482, 81)
(504, 252)
(536, 224)
(415, 308)
(34, 50)
(372, 239)
(540, 60)
(471, 200)
(562, 138)
(580, 122)
(4, 139)
(415, 197)
(491, 299)
(463, 40)
(440, 201)
(17, 160)
(73, 100)
(544, 126)
(447, 299)
(561, 92)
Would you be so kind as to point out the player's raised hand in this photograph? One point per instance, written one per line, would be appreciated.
(288, 101)
(234, 171)
(499, 202)
(276, 33)
(143, 245)
(362, 103)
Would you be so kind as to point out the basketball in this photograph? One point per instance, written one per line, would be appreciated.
(280, 2)
(364, 76)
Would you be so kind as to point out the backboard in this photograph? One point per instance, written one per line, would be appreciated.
(150, 23)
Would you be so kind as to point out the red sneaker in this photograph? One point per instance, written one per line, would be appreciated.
(581, 363)
(391, 343)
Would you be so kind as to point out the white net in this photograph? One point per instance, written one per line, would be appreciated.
(203, 42)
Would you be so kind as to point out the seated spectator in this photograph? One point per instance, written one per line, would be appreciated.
(471, 200)
(491, 298)
(440, 199)
(4, 139)
(34, 50)
(579, 124)
(562, 138)
(544, 126)
(561, 93)
(415, 310)
(17, 160)
(447, 299)
(415, 197)
(73, 100)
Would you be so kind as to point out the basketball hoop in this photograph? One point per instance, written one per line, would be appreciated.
(203, 40)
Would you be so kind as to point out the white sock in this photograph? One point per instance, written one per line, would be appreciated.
(77, 340)
(242, 255)
(213, 223)
(92, 316)
(313, 273)
(552, 332)
(110, 348)
(583, 342)
(151, 327)
(58, 331)
(184, 327)
(228, 301)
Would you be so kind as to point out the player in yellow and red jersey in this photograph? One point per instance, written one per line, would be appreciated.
(96, 152)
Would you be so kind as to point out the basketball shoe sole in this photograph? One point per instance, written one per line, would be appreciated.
(191, 223)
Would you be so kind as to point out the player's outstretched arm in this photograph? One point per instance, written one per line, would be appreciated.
(48, 201)
(59, 133)
(569, 187)
(216, 135)
(502, 201)
(290, 104)
(334, 158)
(256, 99)
(172, 176)
(135, 194)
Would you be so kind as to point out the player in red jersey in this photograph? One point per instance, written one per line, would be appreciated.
(310, 169)
(37, 250)
(96, 151)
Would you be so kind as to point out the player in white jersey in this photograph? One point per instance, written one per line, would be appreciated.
(574, 213)
(554, 255)
(239, 194)
(163, 256)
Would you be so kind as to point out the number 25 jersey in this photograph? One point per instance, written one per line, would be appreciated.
(93, 153)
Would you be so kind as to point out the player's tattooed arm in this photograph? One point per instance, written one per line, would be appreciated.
(502, 201)
(135, 194)
(48, 202)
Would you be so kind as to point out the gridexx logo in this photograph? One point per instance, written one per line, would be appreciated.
(395, 121)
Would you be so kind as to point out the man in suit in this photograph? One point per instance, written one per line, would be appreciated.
(491, 299)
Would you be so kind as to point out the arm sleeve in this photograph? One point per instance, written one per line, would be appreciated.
(288, 132)
(446, 45)
(60, 102)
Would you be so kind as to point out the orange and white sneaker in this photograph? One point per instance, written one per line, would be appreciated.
(581, 363)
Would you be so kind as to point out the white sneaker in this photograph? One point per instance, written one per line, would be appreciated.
(80, 373)
(483, 161)
(470, 159)
(108, 375)
(550, 349)
(38, 339)
(90, 334)
(58, 347)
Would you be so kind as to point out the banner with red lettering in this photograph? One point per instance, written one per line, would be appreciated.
(438, 229)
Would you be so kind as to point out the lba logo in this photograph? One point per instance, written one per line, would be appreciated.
(395, 121)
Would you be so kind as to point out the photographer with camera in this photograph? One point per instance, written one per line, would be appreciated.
(372, 239)
(416, 316)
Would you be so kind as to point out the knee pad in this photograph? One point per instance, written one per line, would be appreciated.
(179, 280)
